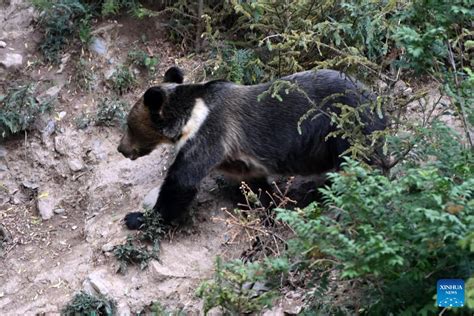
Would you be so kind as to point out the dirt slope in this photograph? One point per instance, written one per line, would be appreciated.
(87, 187)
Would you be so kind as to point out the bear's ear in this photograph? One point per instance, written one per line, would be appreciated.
(174, 75)
(154, 98)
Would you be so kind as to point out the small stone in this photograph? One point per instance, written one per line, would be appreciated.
(62, 115)
(15, 200)
(11, 60)
(74, 227)
(45, 208)
(98, 150)
(60, 145)
(108, 247)
(30, 185)
(49, 129)
(3, 44)
(3, 152)
(59, 210)
(49, 94)
(98, 46)
(3, 167)
(109, 73)
(98, 283)
(75, 165)
(150, 199)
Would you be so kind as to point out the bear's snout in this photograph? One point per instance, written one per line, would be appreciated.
(127, 151)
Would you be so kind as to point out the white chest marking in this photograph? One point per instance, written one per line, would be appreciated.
(192, 126)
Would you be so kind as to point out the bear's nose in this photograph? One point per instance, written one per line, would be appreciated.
(122, 150)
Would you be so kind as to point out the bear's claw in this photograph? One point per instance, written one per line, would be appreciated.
(134, 220)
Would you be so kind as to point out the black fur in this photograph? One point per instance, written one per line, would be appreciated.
(249, 138)
(154, 98)
(174, 75)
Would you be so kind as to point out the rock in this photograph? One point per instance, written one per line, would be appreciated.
(3, 167)
(98, 150)
(45, 207)
(11, 60)
(150, 199)
(64, 61)
(49, 95)
(49, 129)
(402, 88)
(98, 46)
(59, 210)
(3, 44)
(98, 283)
(123, 309)
(275, 311)
(15, 200)
(3, 152)
(109, 73)
(108, 247)
(162, 272)
(75, 165)
(30, 185)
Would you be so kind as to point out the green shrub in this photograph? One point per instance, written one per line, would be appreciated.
(133, 7)
(19, 108)
(237, 287)
(86, 304)
(131, 253)
(84, 75)
(61, 21)
(111, 111)
(395, 236)
(134, 251)
(123, 80)
(142, 60)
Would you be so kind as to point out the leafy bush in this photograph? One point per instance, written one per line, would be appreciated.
(133, 7)
(84, 75)
(60, 22)
(86, 304)
(111, 111)
(123, 80)
(134, 251)
(131, 253)
(237, 287)
(19, 108)
(396, 236)
(141, 59)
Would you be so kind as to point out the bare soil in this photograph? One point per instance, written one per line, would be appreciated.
(45, 262)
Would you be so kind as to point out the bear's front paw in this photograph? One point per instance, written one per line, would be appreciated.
(134, 220)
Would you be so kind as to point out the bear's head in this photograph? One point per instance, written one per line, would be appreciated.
(143, 134)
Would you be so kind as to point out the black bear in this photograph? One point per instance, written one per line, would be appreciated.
(219, 124)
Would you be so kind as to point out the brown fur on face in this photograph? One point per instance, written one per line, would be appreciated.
(141, 136)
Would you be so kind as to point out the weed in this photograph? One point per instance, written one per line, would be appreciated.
(131, 253)
(156, 309)
(111, 112)
(141, 59)
(83, 120)
(84, 75)
(86, 304)
(133, 7)
(19, 109)
(60, 22)
(123, 80)
(237, 287)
